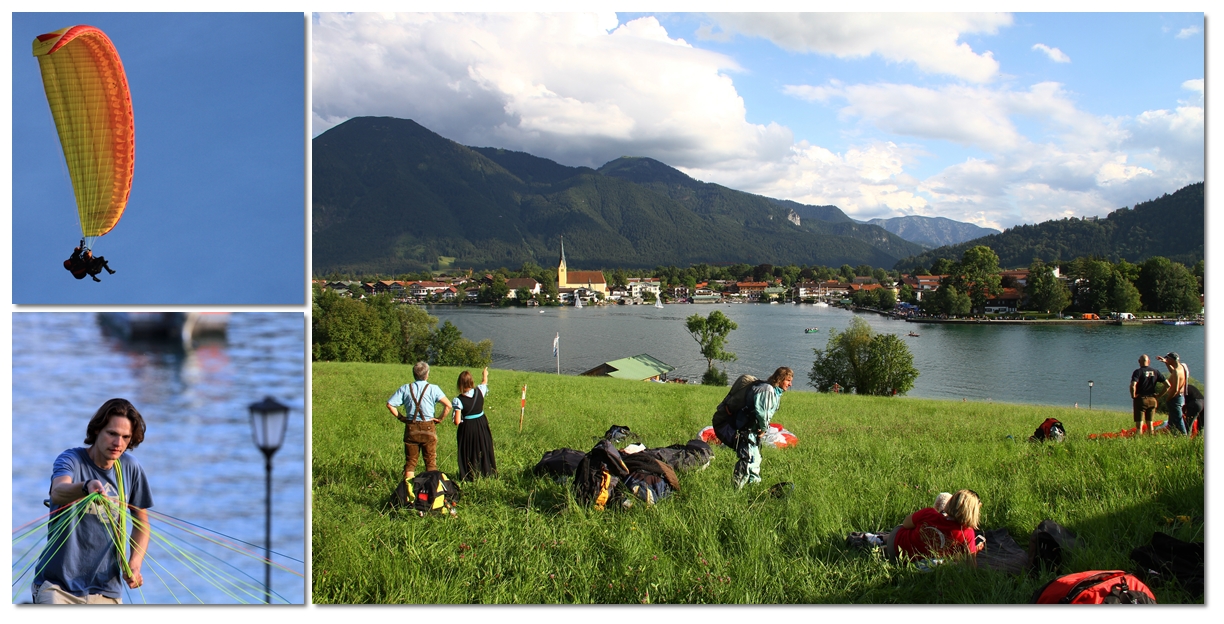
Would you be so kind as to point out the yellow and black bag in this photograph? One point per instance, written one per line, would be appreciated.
(427, 492)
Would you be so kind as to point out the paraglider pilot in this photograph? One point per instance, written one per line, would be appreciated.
(83, 263)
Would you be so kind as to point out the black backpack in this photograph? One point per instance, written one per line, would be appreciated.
(735, 400)
(1051, 430)
(695, 454)
(426, 493)
(559, 463)
(1047, 543)
(1167, 557)
(598, 474)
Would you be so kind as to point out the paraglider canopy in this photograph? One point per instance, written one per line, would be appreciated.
(92, 107)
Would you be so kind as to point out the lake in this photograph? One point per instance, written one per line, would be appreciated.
(1038, 364)
(202, 464)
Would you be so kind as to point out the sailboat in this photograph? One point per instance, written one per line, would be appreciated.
(577, 302)
(659, 303)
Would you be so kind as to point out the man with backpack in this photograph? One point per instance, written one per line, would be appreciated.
(743, 416)
(420, 435)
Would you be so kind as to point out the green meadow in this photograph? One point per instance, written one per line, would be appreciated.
(862, 464)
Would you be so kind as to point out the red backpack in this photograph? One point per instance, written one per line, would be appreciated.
(1095, 587)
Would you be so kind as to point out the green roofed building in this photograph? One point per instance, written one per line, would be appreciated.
(639, 368)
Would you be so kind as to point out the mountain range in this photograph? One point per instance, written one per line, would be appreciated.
(1171, 226)
(390, 196)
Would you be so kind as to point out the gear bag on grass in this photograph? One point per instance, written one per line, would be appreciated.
(559, 463)
(694, 454)
(427, 492)
(1095, 587)
(1047, 543)
(598, 475)
(1166, 558)
(1051, 430)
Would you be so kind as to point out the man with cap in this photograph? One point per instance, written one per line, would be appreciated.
(1143, 393)
(1176, 393)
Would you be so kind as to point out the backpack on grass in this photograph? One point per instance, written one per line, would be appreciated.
(1095, 587)
(1051, 430)
(598, 475)
(1047, 543)
(427, 492)
(1167, 558)
(559, 463)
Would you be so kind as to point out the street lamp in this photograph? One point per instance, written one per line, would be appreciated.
(1089, 394)
(268, 421)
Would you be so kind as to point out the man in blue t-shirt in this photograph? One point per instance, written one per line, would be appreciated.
(87, 557)
(420, 435)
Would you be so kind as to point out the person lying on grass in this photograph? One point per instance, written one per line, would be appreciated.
(929, 533)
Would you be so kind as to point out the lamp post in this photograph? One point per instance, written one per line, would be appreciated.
(1089, 394)
(268, 421)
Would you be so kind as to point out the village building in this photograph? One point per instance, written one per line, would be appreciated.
(515, 283)
(568, 280)
(638, 368)
(1006, 302)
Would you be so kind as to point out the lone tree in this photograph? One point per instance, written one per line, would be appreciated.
(711, 334)
(862, 360)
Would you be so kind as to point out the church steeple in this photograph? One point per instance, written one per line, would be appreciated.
(561, 270)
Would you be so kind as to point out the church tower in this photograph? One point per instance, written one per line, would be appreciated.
(561, 276)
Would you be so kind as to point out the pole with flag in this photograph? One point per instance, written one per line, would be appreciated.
(557, 351)
(523, 408)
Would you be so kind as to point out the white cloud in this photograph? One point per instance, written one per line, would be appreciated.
(929, 40)
(580, 89)
(1187, 32)
(1054, 54)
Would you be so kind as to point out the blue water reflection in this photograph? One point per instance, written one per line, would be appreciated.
(198, 452)
(1049, 365)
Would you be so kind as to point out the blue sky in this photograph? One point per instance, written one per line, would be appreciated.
(217, 209)
(993, 119)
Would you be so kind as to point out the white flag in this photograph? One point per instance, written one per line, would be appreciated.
(556, 343)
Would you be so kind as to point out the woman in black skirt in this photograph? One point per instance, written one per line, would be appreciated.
(474, 439)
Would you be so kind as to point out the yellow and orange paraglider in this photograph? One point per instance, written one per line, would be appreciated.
(92, 106)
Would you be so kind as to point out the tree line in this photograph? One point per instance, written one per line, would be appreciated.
(377, 329)
(1088, 285)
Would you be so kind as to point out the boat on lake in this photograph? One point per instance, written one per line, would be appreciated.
(659, 303)
(913, 334)
(811, 330)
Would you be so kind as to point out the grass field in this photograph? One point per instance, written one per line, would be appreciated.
(862, 463)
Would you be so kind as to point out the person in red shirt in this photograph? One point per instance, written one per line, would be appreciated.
(929, 533)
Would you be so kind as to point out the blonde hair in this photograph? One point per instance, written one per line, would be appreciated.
(965, 508)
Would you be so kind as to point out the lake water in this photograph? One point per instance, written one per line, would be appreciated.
(202, 464)
(1049, 365)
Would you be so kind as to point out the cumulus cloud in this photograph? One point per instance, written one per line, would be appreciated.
(1187, 32)
(580, 89)
(1055, 54)
(929, 40)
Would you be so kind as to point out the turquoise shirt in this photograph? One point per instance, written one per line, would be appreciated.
(766, 399)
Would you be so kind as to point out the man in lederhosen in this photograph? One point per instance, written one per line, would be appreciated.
(420, 437)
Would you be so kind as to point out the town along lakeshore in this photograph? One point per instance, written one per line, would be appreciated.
(1011, 363)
